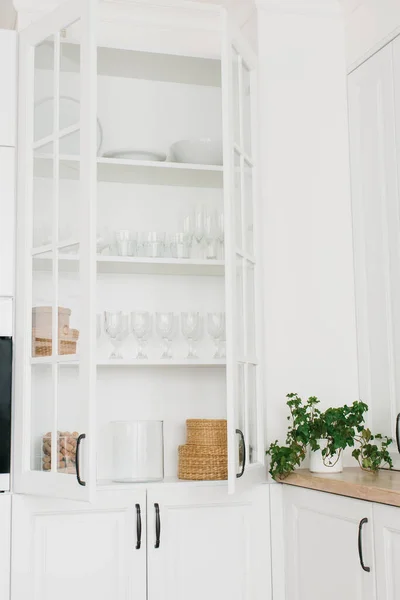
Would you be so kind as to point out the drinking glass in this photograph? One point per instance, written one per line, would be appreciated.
(126, 242)
(198, 229)
(166, 329)
(210, 234)
(216, 330)
(188, 226)
(153, 244)
(191, 323)
(180, 245)
(221, 233)
(141, 326)
(116, 326)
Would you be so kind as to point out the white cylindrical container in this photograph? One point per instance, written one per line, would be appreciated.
(138, 451)
(332, 464)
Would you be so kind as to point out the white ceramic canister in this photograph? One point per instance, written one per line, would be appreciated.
(138, 451)
(332, 464)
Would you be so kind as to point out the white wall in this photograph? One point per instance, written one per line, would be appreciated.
(309, 287)
(369, 25)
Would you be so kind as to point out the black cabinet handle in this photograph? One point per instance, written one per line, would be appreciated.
(360, 549)
(397, 432)
(239, 432)
(78, 443)
(158, 525)
(138, 527)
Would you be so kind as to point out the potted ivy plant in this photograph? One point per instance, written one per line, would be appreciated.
(326, 435)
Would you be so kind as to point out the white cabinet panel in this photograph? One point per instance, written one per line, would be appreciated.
(7, 220)
(5, 545)
(64, 549)
(8, 96)
(211, 546)
(376, 218)
(387, 551)
(321, 544)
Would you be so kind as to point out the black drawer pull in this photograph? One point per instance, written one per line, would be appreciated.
(158, 525)
(360, 546)
(78, 444)
(138, 527)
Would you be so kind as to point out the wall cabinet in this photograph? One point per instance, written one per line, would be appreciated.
(322, 538)
(208, 544)
(7, 222)
(8, 100)
(91, 77)
(374, 113)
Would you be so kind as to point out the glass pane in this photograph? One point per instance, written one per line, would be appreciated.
(44, 90)
(252, 413)
(240, 305)
(69, 305)
(250, 311)
(69, 417)
(42, 302)
(246, 109)
(238, 202)
(43, 196)
(236, 96)
(248, 208)
(42, 412)
(70, 92)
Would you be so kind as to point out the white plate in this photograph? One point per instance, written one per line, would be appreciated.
(138, 154)
(70, 113)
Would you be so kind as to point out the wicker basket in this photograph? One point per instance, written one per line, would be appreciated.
(199, 463)
(206, 432)
(43, 346)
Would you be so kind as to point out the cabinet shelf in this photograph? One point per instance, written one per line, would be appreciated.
(109, 484)
(73, 360)
(135, 171)
(136, 265)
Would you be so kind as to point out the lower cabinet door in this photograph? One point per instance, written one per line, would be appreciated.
(387, 551)
(328, 539)
(5, 545)
(203, 544)
(65, 550)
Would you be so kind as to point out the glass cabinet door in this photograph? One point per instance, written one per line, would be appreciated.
(54, 441)
(246, 447)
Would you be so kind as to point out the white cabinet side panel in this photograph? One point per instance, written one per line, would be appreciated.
(5, 545)
(8, 96)
(7, 220)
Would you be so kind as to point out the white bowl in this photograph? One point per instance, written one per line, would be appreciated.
(199, 152)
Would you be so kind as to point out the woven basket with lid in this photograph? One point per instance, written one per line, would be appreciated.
(205, 455)
(206, 432)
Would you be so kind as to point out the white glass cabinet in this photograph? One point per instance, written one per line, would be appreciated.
(95, 77)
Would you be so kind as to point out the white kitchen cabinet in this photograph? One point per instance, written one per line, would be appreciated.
(210, 545)
(65, 549)
(387, 551)
(8, 96)
(7, 221)
(374, 115)
(325, 538)
(117, 61)
(5, 545)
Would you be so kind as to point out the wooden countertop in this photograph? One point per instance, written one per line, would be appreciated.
(384, 487)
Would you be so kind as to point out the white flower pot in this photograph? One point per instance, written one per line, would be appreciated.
(332, 464)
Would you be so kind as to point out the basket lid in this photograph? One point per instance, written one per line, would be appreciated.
(47, 309)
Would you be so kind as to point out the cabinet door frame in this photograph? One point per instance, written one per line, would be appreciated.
(27, 527)
(386, 524)
(54, 484)
(330, 505)
(236, 357)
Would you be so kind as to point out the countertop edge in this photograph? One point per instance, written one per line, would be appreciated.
(373, 490)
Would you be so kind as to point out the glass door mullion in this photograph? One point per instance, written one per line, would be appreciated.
(55, 201)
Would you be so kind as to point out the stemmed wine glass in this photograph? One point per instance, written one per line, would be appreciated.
(141, 326)
(221, 233)
(166, 329)
(216, 330)
(210, 234)
(191, 323)
(116, 326)
(98, 327)
(198, 229)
